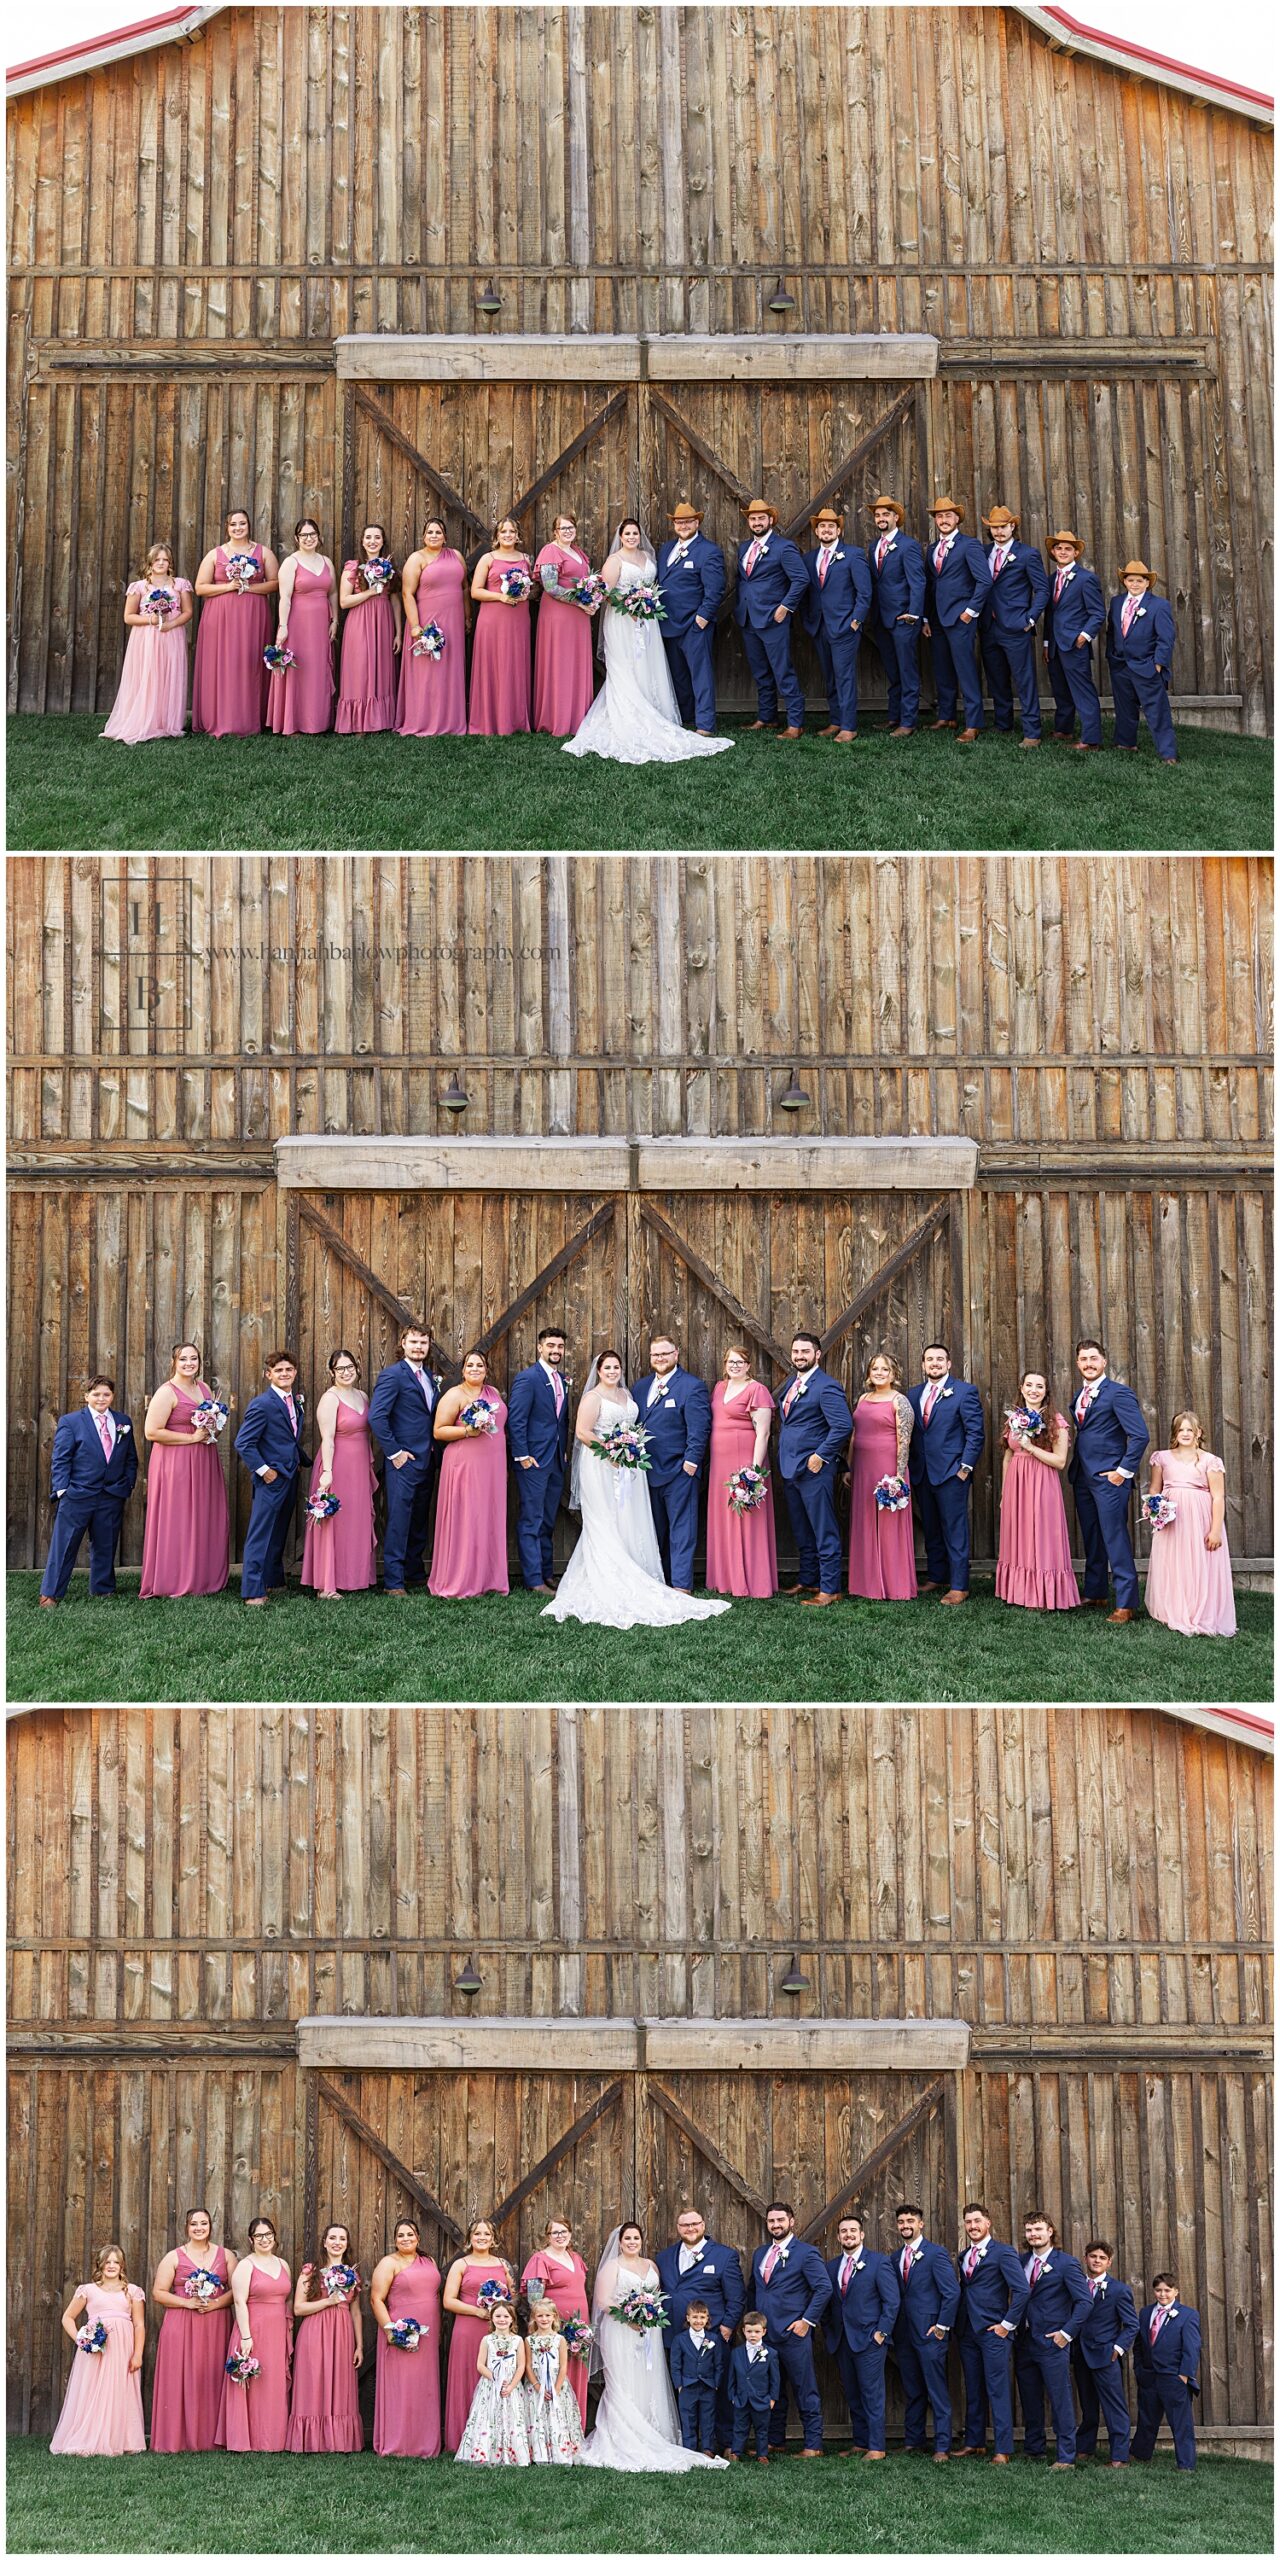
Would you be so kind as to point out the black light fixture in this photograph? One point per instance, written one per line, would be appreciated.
(780, 299)
(490, 300)
(794, 1981)
(795, 1098)
(469, 1981)
(455, 1096)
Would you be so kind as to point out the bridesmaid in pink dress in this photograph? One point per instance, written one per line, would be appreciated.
(229, 696)
(480, 2264)
(405, 2285)
(1033, 1567)
(195, 2332)
(1189, 1573)
(151, 699)
(742, 1551)
(341, 1553)
(470, 1552)
(563, 673)
(371, 632)
(102, 2412)
(562, 2275)
(500, 659)
(325, 2413)
(186, 1539)
(255, 2415)
(300, 698)
(882, 1558)
(433, 691)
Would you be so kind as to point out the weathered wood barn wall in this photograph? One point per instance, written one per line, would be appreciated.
(1086, 1893)
(245, 268)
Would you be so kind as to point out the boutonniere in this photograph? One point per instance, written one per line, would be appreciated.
(947, 1391)
(1141, 614)
(122, 1428)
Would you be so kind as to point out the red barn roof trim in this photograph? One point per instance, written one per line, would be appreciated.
(93, 53)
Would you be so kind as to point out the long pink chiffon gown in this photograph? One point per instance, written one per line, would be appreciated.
(102, 2411)
(470, 1552)
(229, 695)
(255, 2415)
(191, 2356)
(566, 2287)
(742, 1549)
(500, 663)
(341, 1553)
(433, 691)
(300, 698)
(151, 698)
(563, 667)
(186, 1535)
(367, 692)
(1188, 1587)
(464, 2346)
(324, 2415)
(406, 2405)
(882, 1560)
(1033, 1564)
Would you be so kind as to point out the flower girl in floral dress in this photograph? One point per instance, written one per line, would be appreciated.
(555, 2426)
(497, 2428)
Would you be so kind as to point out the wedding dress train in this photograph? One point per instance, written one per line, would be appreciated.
(614, 1576)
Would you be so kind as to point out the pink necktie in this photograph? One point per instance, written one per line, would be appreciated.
(997, 563)
(845, 2272)
(421, 1376)
(881, 548)
(1083, 1402)
(557, 1389)
(1058, 585)
(789, 1398)
(293, 1419)
(771, 2260)
(1127, 613)
(823, 566)
(1037, 2270)
(930, 1399)
(1158, 2319)
(971, 2262)
(907, 2263)
(939, 556)
(104, 1434)
(753, 554)
(1093, 2285)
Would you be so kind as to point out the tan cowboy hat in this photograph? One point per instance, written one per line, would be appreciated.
(763, 504)
(943, 506)
(1053, 539)
(1138, 569)
(827, 515)
(999, 516)
(900, 512)
(684, 513)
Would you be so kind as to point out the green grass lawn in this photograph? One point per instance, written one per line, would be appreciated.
(68, 792)
(366, 1648)
(356, 2503)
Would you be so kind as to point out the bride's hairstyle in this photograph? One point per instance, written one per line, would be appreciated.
(601, 1357)
(625, 2227)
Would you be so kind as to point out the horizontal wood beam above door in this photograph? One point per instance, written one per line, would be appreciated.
(621, 1164)
(807, 1164)
(632, 2044)
(883, 356)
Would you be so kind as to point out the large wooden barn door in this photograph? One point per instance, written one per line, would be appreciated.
(480, 450)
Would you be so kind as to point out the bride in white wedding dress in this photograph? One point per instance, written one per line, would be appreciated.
(635, 718)
(614, 1576)
(637, 2427)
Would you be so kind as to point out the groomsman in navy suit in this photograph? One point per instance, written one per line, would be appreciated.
(1073, 618)
(835, 617)
(538, 1438)
(1166, 2357)
(94, 1471)
(692, 576)
(790, 2285)
(1098, 2357)
(813, 1435)
(897, 569)
(993, 2297)
(1017, 593)
(1140, 641)
(269, 1441)
(857, 2325)
(1111, 1437)
(946, 1445)
(956, 581)
(675, 1410)
(1058, 2306)
(402, 1419)
(773, 583)
(930, 2292)
(697, 2268)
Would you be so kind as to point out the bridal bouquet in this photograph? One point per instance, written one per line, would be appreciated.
(892, 1494)
(203, 2286)
(576, 2334)
(1159, 1511)
(429, 642)
(1024, 1422)
(278, 657)
(516, 583)
(322, 1506)
(241, 2366)
(378, 573)
(640, 2312)
(478, 1417)
(339, 2282)
(642, 603)
(243, 569)
(406, 2334)
(92, 2341)
(623, 1444)
(747, 1488)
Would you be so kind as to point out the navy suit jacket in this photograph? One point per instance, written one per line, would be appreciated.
(679, 1424)
(899, 586)
(846, 596)
(400, 1415)
(78, 1465)
(534, 1429)
(955, 1434)
(779, 577)
(797, 2290)
(1151, 634)
(871, 2301)
(1112, 2322)
(997, 2289)
(962, 585)
(1059, 2299)
(1176, 2350)
(1080, 607)
(716, 2280)
(696, 587)
(931, 2299)
(1015, 599)
(264, 1438)
(819, 1421)
(691, 2364)
(753, 2386)
(1112, 1434)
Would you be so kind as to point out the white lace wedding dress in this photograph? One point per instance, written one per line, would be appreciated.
(637, 2427)
(614, 1576)
(635, 718)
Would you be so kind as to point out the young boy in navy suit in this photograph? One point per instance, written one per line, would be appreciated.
(755, 2378)
(1111, 1437)
(697, 2360)
(94, 1471)
(1140, 640)
(1098, 2357)
(1166, 2360)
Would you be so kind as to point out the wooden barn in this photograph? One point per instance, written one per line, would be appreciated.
(1033, 1947)
(1012, 1100)
(367, 262)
